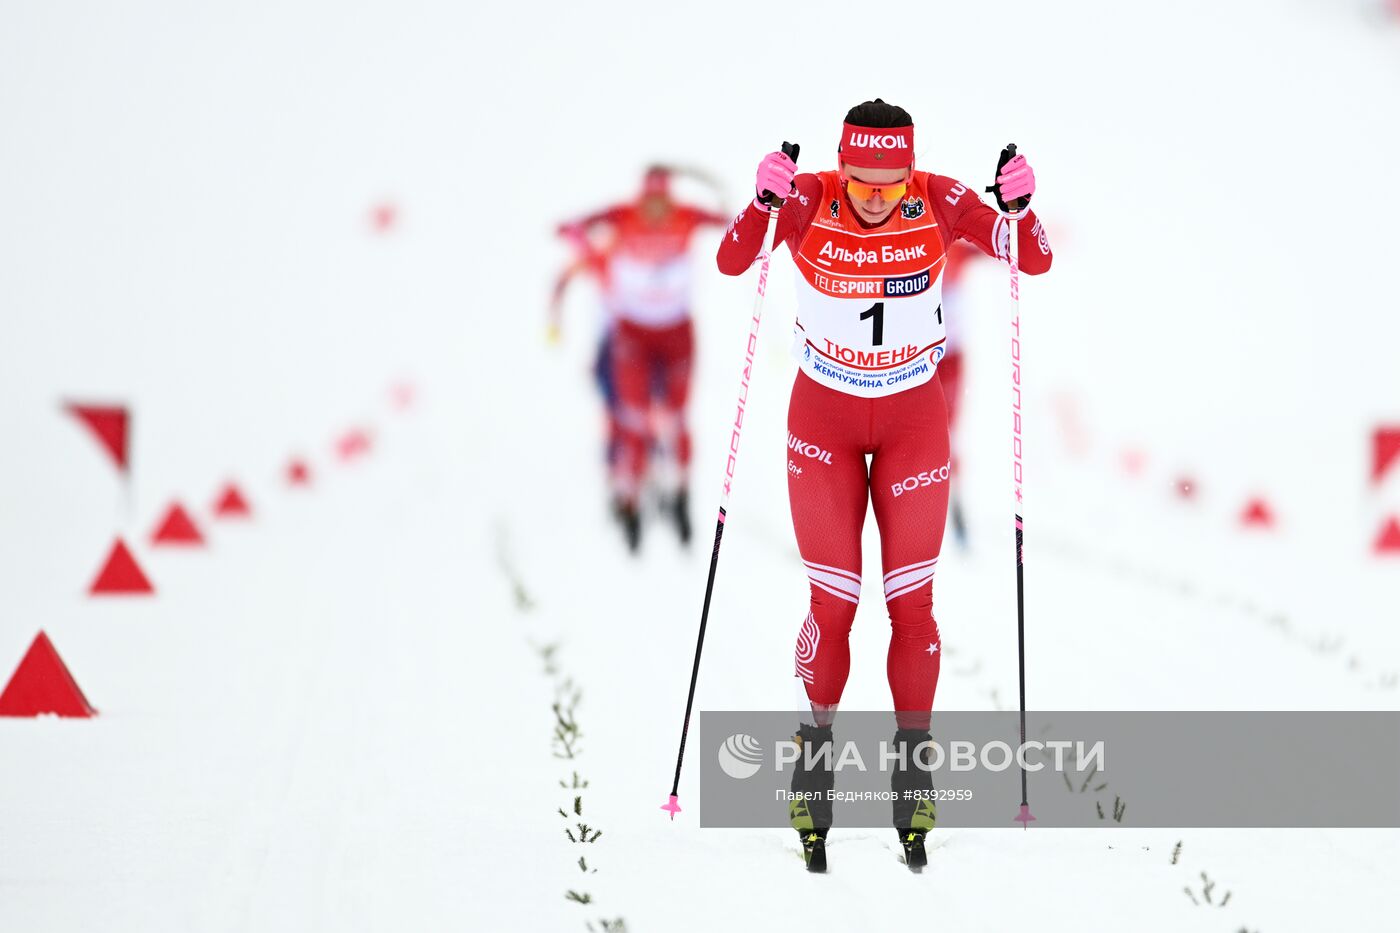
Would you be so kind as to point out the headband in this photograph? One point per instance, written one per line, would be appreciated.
(886, 147)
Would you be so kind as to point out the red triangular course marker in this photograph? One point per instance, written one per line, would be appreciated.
(41, 684)
(121, 574)
(298, 473)
(231, 503)
(353, 443)
(382, 216)
(109, 424)
(1388, 541)
(402, 394)
(1257, 514)
(1385, 450)
(176, 528)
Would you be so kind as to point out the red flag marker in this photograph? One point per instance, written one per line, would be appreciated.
(42, 684)
(177, 528)
(383, 217)
(298, 473)
(231, 503)
(109, 424)
(1385, 450)
(402, 394)
(1186, 487)
(120, 574)
(353, 443)
(1388, 541)
(1257, 514)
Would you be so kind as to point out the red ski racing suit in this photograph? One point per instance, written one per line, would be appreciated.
(869, 337)
(645, 274)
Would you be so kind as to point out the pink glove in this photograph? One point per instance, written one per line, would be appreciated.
(775, 174)
(1016, 179)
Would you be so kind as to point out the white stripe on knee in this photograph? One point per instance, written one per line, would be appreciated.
(835, 581)
(905, 579)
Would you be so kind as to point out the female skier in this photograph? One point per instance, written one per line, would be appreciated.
(870, 240)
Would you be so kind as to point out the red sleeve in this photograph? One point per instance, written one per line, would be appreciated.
(576, 234)
(576, 230)
(583, 265)
(961, 211)
(743, 240)
(561, 284)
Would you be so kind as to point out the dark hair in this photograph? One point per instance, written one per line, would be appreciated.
(878, 115)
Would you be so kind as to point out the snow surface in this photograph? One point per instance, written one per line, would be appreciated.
(338, 717)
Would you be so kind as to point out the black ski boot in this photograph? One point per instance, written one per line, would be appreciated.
(959, 523)
(914, 811)
(631, 521)
(915, 855)
(680, 511)
(812, 779)
(814, 851)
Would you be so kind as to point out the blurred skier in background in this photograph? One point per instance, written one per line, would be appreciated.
(869, 241)
(639, 252)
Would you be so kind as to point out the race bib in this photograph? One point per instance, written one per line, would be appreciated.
(652, 293)
(869, 312)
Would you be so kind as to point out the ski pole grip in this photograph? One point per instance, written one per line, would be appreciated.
(1007, 155)
(790, 150)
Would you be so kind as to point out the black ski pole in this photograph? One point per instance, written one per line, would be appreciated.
(672, 805)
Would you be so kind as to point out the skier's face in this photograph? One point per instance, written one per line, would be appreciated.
(874, 209)
(656, 207)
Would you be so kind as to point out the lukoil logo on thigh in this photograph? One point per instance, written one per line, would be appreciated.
(811, 451)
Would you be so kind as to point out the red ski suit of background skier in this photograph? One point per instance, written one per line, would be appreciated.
(869, 337)
(644, 270)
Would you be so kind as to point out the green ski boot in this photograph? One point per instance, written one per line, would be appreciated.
(809, 811)
(914, 810)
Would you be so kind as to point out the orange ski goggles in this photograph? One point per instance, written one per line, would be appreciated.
(864, 191)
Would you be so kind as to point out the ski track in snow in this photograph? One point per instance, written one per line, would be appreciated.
(335, 718)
